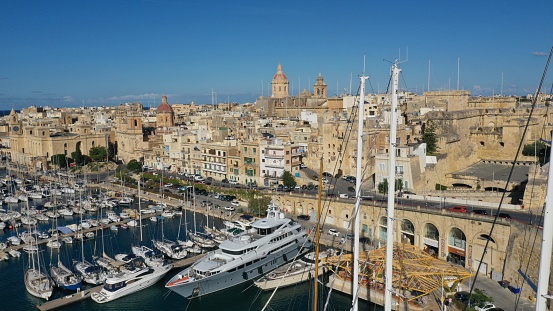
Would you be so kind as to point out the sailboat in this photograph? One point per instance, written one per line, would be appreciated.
(37, 282)
(90, 273)
(150, 257)
(65, 278)
(62, 276)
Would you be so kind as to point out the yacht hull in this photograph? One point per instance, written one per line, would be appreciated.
(191, 288)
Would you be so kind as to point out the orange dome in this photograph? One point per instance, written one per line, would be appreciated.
(164, 107)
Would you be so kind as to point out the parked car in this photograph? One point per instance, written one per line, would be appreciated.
(480, 211)
(333, 232)
(229, 208)
(169, 185)
(303, 165)
(235, 203)
(303, 217)
(505, 215)
(233, 182)
(459, 209)
(487, 306)
(462, 296)
(349, 236)
(351, 189)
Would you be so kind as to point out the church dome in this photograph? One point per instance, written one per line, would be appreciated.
(164, 107)
(280, 76)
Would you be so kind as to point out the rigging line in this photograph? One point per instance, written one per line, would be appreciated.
(528, 264)
(531, 199)
(346, 138)
(511, 172)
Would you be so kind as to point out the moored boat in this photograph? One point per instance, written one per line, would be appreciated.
(274, 241)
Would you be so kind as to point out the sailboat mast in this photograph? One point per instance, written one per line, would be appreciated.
(391, 189)
(140, 210)
(546, 246)
(317, 237)
(358, 177)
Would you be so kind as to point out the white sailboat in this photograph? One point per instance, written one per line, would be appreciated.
(37, 282)
(62, 276)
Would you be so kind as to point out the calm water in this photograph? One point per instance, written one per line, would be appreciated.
(242, 297)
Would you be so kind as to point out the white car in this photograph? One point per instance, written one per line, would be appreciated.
(333, 232)
(169, 185)
(235, 203)
(486, 307)
(303, 165)
(229, 208)
(198, 178)
(233, 182)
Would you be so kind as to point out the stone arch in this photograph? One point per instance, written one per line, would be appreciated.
(431, 239)
(382, 228)
(475, 259)
(456, 246)
(407, 232)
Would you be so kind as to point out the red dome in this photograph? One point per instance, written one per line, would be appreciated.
(164, 107)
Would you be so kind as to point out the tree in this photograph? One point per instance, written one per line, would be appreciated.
(535, 149)
(257, 205)
(288, 179)
(134, 166)
(429, 137)
(59, 159)
(98, 153)
(112, 150)
(383, 186)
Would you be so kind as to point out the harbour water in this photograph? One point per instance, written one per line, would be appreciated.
(242, 297)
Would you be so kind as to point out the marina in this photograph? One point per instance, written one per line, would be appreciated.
(116, 242)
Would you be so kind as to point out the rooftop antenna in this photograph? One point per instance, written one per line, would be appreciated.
(501, 93)
(457, 73)
(428, 85)
(350, 80)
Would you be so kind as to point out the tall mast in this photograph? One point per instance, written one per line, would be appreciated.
(358, 176)
(391, 189)
(317, 237)
(546, 246)
(140, 210)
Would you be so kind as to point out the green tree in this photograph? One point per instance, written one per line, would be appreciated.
(288, 179)
(535, 149)
(429, 137)
(383, 186)
(134, 166)
(112, 151)
(98, 154)
(257, 205)
(59, 159)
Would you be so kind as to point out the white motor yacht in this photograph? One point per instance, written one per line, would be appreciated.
(273, 241)
(130, 278)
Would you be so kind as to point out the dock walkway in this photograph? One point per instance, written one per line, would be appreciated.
(66, 300)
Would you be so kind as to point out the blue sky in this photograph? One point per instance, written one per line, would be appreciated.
(70, 53)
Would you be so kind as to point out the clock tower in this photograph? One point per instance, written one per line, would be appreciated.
(14, 123)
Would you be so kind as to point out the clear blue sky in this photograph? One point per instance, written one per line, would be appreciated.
(66, 53)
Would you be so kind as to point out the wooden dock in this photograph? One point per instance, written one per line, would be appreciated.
(66, 300)
(63, 301)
